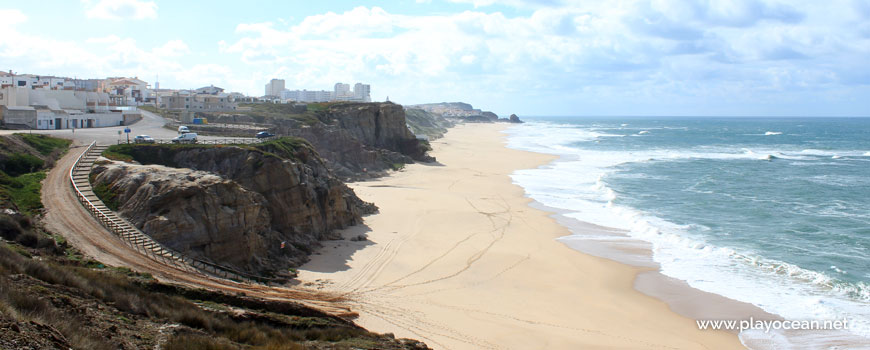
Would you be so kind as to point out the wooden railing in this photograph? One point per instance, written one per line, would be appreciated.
(227, 141)
(79, 176)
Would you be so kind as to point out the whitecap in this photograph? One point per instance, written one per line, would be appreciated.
(836, 157)
(643, 132)
(769, 133)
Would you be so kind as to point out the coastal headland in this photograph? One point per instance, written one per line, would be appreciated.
(458, 259)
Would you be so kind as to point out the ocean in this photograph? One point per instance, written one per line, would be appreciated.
(774, 212)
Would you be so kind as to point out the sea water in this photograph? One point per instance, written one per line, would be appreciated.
(774, 212)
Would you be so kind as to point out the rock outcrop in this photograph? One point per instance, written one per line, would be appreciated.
(426, 123)
(234, 204)
(361, 140)
(490, 115)
(196, 212)
(515, 119)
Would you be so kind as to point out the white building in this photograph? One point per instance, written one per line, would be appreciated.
(362, 92)
(342, 92)
(275, 87)
(307, 95)
(46, 102)
(128, 91)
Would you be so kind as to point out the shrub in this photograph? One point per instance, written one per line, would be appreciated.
(196, 342)
(9, 227)
(21, 163)
(109, 197)
(43, 143)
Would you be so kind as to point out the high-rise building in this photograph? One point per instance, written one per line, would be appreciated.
(362, 92)
(275, 87)
(342, 91)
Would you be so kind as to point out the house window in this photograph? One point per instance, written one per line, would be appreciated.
(22, 83)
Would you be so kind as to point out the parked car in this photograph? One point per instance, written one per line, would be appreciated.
(185, 138)
(183, 129)
(264, 134)
(143, 139)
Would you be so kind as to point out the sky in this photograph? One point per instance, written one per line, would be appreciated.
(529, 57)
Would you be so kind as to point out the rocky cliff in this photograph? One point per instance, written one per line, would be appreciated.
(422, 122)
(233, 205)
(361, 140)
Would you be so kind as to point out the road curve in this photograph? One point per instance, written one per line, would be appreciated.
(64, 215)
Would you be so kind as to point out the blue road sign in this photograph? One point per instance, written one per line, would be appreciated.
(127, 130)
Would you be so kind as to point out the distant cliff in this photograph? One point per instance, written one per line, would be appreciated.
(422, 122)
(360, 140)
(234, 205)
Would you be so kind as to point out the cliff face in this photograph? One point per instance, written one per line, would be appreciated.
(422, 122)
(380, 125)
(195, 212)
(212, 210)
(361, 140)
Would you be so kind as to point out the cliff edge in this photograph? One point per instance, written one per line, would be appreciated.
(261, 209)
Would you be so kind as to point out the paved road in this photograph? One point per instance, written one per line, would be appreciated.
(151, 124)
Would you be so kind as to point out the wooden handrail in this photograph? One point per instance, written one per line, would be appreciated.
(175, 258)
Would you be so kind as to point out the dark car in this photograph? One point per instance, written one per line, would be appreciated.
(264, 134)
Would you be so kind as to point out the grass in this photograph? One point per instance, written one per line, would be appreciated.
(21, 173)
(262, 111)
(21, 163)
(109, 197)
(43, 143)
(117, 154)
(23, 191)
(292, 148)
(115, 288)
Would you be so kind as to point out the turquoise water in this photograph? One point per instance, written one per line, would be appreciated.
(775, 212)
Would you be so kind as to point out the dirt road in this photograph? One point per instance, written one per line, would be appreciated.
(66, 216)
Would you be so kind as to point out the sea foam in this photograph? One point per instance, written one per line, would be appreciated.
(577, 182)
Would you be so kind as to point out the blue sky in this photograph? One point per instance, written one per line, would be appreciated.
(530, 57)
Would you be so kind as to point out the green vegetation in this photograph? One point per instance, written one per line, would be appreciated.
(287, 147)
(23, 191)
(109, 197)
(53, 290)
(262, 111)
(23, 158)
(115, 152)
(21, 163)
(43, 143)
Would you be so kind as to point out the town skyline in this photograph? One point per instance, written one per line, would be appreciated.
(740, 58)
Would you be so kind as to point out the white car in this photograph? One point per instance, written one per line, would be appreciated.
(183, 129)
(143, 139)
(185, 138)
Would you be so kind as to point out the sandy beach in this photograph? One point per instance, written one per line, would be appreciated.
(457, 258)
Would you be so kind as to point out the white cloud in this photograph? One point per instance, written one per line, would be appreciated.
(11, 18)
(96, 57)
(640, 49)
(121, 9)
